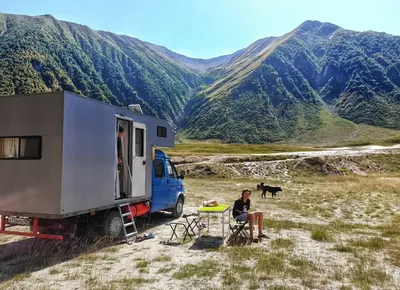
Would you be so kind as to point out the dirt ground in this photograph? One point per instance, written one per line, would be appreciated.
(335, 227)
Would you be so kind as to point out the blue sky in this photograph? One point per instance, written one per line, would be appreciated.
(210, 28)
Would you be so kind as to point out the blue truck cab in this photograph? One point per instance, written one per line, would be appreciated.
(168, 192)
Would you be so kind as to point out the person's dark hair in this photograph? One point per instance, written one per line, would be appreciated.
(244, 190)
(121, 130)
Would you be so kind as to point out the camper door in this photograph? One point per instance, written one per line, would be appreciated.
(123, 157)
(139, 159)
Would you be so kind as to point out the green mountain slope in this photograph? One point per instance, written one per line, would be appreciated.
(285, 88)
(41, 54)
(314, 82)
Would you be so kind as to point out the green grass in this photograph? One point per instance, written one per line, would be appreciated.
(290, 257)
(321, 234)
(166, 269)
(337, 132)
(371, 135)
(282, 243)
(343, 249)
(162, 258)
(280, 287)
(269, 264)
(91, 257)
(302, 267)
(205, 269)
(54, 271)
(127, 283)
(113, 249)
(394, 256)
(236, 274)
(22, 276)
(142, 264)
(373, 244)
(365, 275)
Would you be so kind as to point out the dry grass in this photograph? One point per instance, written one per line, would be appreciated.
(301, 211)
(282, 244)
(338, 232)
(163, 258)
(205, 269)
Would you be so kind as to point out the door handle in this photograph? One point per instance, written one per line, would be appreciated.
(144, 162)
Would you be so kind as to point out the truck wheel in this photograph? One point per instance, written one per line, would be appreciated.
(178, 209)
(113, 225)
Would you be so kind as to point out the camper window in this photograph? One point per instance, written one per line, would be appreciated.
(159, 168)
(161, 131)
(21, 147)
(139, 142)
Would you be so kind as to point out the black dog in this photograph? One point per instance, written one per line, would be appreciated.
(272, 189)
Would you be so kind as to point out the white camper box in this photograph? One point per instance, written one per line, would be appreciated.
(63, 158)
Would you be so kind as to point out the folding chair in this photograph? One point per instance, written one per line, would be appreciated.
(239, 230)
(194, 222)
(186, 233)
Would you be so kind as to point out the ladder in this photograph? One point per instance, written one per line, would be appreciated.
(125, 211)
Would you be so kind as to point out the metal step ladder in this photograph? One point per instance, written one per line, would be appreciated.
(125, 211)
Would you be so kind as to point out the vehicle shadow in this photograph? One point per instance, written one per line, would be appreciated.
(30, 255)
(152, 221)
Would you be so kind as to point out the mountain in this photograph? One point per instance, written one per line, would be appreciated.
(44, 54)
(196, 65)
(308, 79)
(317, 79)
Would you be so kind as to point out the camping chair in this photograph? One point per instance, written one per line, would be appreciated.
(238, 230)
(192, 221)
(174, 225)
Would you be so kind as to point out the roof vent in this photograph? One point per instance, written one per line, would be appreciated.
(135, 108)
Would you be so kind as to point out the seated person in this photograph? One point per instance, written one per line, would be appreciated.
(240, 213)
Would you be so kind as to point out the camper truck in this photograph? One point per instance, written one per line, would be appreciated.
(70, 165)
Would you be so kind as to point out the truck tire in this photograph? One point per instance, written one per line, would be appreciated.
(113, 225)
(178, 209)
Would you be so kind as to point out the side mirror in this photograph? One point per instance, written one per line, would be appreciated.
(182, 176)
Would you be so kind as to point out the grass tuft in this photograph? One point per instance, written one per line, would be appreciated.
(343, 249)
(373, 244)
(281, 243)
(162, 258)
(364, 275)
(321, 234)
(142, 264)
(205, 269)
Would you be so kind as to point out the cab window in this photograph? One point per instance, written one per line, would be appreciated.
(171, 170)
(159, 168)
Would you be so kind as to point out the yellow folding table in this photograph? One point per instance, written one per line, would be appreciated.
(219, 209)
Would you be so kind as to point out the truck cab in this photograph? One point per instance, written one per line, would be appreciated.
(168, 192)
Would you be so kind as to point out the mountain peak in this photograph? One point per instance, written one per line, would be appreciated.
(310, 24)
(317, 28)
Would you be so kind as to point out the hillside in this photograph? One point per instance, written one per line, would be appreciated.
(43, 54)
(316, 82)
(290, 85)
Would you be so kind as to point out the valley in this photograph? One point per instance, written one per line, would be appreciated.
(314, 83)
